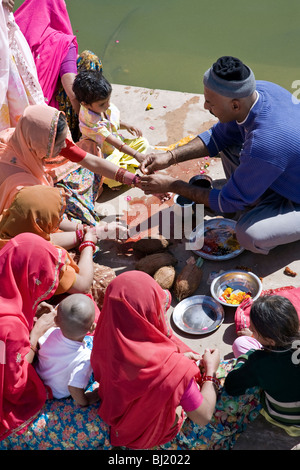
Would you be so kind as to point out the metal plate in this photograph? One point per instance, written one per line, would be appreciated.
(222, 230)
(198, 315)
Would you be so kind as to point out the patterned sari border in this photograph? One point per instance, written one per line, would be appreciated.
(52, 133)
(56, 275)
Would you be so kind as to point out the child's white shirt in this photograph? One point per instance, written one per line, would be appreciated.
(63, 362)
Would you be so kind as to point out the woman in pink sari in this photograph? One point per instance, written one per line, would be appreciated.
(48, 31)
(47, 28)
(35, 152)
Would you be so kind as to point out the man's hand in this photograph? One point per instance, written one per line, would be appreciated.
(156, 161)
(157, 183)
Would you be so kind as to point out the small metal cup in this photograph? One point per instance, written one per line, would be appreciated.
(183, 206)
(202, 181)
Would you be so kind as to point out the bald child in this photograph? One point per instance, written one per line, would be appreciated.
(63, 356)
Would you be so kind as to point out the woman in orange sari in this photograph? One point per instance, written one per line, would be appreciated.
(39, 209)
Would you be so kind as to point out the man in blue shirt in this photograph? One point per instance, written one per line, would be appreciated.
(258, 139)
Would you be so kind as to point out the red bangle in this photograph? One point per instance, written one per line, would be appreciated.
(209, 378)
(73, 152)
(119, 175)
(126, 177)
(121, 146)
(79, 235)
(87, 243)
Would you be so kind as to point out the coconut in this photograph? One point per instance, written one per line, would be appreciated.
(188, 279)
(165, 276)
(151, 263)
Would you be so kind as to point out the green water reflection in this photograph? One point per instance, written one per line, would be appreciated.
(168, 44)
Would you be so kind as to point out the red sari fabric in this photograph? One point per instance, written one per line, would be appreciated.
(30, 268)
(242, 313)
(47, 28)
(139, 363)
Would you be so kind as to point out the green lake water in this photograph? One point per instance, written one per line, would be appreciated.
(169, 44)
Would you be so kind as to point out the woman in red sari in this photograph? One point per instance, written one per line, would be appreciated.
(146, 374)
(29, 275)
(30, 268)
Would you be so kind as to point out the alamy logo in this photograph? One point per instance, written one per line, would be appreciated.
(174, 221)
(296, 93)
(296, 353)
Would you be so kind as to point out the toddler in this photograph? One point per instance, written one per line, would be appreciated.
(99, 120)
(63, 356)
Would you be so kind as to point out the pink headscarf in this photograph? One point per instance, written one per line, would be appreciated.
(29, 274)
(139, 363)
(47, 28)
(26, 153)
(24, 149)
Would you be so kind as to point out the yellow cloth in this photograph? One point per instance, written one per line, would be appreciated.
(290, 430)
(181, 142)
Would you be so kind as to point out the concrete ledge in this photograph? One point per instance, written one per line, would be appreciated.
(174, 114)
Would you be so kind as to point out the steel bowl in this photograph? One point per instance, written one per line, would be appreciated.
(238, 280)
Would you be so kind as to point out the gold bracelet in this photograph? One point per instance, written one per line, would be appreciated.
(34, 349)
(175, 162)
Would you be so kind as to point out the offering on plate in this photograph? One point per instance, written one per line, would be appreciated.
(234, 297)
(219, 242)
(216, 240)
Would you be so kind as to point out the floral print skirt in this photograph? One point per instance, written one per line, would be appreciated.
(230, 419)
(83, 187)
(62, 425)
